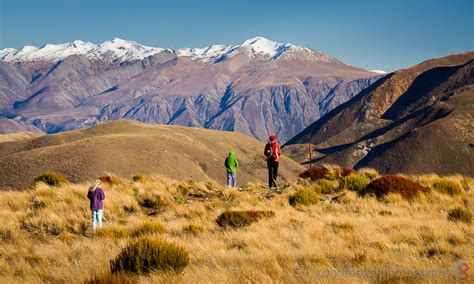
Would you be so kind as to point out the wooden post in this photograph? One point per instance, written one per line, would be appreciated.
(310, 148)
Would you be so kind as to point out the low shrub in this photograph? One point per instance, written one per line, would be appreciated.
(447, 186)
(328, 186)
(139, 177)
(144, 255)
(460, 214)
(332, 172)
(354, 182)
(111, 278)
(304, 196)
(149, 228)
(314, 173)
(52, 179)
(193, 229)
(394, 184)
(238, 219)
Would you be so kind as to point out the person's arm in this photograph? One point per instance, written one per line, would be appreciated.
(102, 194)
(279, 151)
(236, 163)
(267, 151)
(89, 194)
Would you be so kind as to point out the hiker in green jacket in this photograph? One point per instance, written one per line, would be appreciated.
(231, 165)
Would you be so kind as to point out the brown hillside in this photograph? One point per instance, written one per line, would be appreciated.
(17, 136)
(125, 147)
(415, 120)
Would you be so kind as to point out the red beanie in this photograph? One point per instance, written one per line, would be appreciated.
(273, 138)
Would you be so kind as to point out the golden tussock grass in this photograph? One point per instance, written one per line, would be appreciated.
(46, 235)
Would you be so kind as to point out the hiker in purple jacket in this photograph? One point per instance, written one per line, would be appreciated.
(96, 195)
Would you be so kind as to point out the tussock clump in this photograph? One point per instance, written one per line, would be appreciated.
(183, 189)
(328, 186)
(152, 202)
(33, 259)
(111, 278)
(354, 182)
(447, 186)
(342, 226)
(139, 177)
(111, 179)
(238, 219)
(114, 232)
(460, 214)
(52, 179)
(369, 172)
(193, 229)
(7, 235)
(212, 186)
(35, 225)
(304, 196)
(149, 228)
(336, 172)
(143, 255)
(308, 183)
(394, 184)
(131, 208)
(466, 182)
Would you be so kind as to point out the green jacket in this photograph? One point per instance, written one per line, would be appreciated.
(231, 162)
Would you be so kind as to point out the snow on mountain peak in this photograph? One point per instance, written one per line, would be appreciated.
(265, 46)
(120, 50)
(378, 71)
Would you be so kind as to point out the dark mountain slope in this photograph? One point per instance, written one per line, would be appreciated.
(415, 120)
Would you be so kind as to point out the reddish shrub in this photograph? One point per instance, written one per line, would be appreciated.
(328, 172)
(315, 173)
(395, 184)
(347, 171)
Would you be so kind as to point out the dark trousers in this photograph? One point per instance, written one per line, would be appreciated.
(272, 172)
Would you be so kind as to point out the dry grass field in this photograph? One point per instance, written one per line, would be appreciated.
(46, 232)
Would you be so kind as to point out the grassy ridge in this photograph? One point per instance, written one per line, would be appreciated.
(45, 233)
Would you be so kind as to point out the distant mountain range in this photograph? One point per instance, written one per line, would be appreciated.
(259, 87)
(415, 120)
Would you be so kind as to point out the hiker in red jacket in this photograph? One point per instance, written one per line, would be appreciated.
(273, 154)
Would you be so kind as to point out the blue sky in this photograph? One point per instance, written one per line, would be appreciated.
(373, 34)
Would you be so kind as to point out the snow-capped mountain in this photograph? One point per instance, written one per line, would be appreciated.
(382, 72)
(259, 87)
(122, 50)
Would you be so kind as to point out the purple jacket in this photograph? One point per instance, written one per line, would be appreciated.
(96, 196)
